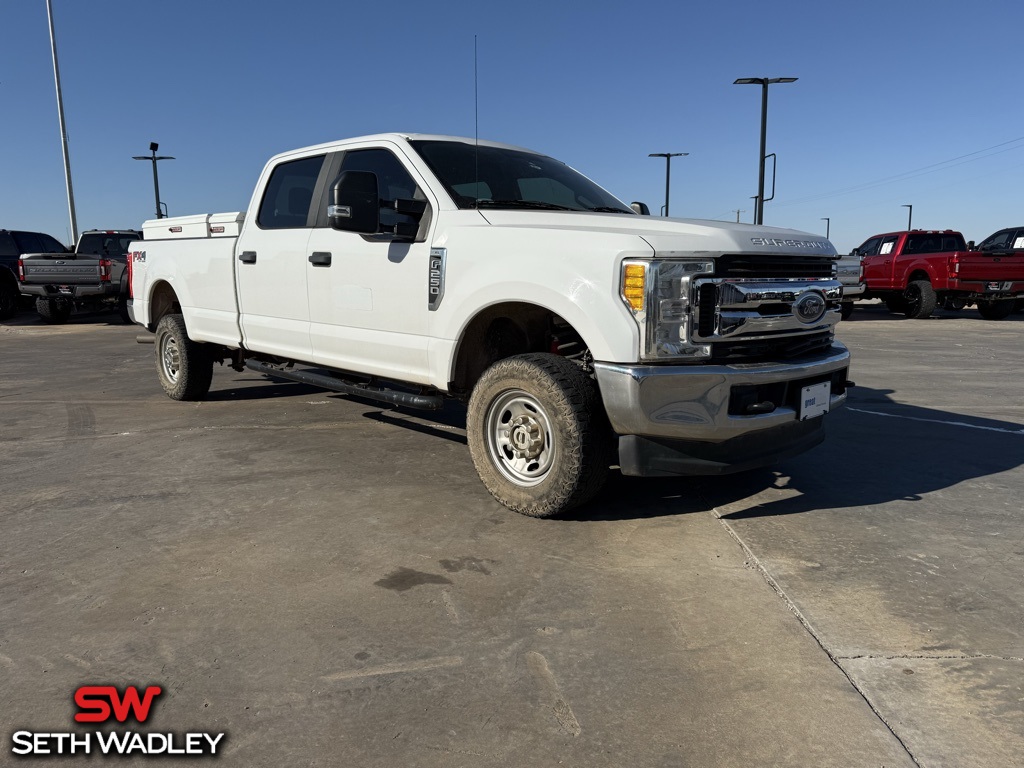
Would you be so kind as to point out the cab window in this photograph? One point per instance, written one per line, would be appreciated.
(997, 241)
(393, 181)
(289, 194)
(870, 247)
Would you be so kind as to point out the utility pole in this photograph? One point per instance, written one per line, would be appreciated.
(153, 147)
(668, 170)
(764, 82)
(737, 211)
(63, 129)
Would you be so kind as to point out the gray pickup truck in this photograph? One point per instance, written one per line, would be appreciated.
(91, 277)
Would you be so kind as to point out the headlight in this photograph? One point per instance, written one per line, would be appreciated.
(659, 294)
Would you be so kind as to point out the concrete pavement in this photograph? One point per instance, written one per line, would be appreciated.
(328, 582)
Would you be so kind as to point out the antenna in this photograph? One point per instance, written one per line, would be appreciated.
(476, 130)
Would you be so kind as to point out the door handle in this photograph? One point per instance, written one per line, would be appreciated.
(247, 257)
(320, 259)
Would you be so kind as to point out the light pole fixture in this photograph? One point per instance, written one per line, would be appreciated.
(668, 170)
(764, 82)
(828, 223)
(153, 147)
(910, 215)
(63, 129)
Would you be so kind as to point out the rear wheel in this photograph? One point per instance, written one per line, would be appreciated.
(920, 298)
(54, 311)
(846, 309)
(991, 309)
(538, 434)
(122, 308)
(185, 367)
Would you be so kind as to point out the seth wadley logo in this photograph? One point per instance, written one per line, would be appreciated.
(102, 703)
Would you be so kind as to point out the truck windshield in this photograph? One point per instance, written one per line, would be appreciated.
(494, 177)
(105, 243)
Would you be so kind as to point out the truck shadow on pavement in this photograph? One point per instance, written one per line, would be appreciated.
(876, 451)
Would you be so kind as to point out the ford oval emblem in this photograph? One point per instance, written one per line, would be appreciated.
(809, 308)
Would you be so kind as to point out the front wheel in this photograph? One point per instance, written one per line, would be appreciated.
(185, 367)
(991, 309)
(538, 434)
(896, 304)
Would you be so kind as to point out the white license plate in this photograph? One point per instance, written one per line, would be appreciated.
(814, 400)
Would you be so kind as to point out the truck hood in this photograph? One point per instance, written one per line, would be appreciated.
(668, 236)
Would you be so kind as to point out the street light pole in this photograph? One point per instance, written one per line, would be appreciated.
(153, 147)
(63, 129)
(828, 223)
(764, 82)
(910, 215)
(668, 170)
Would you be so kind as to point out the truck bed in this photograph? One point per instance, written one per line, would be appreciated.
(986, 267)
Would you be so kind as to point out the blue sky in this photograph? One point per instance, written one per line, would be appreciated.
(896, 102)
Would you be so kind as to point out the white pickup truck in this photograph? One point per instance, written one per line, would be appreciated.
(412, 268)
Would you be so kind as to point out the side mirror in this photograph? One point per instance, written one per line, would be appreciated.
(355, 203)
(970, 245)
(641, 208)
(855, 252)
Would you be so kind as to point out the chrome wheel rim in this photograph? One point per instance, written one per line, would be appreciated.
(170, 358)
(519, 438)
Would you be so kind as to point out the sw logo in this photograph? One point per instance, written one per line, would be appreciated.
(108, 704)
(98, 702)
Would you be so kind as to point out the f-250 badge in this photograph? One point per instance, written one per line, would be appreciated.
(435, 281)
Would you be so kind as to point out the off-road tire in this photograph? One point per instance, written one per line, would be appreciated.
(995, 310)
(920, 299)
(8, 298)
(558, 421)
(846, 310)
(185, 367)
(53, 311)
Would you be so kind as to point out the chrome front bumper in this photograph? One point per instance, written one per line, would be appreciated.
(688, 407)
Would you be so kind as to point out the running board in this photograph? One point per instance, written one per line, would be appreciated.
(394, 396)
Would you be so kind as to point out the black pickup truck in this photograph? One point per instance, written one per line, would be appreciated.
(91, 277)
(13, 245)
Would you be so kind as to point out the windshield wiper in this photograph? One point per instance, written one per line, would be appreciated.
(609, 209)
(523, 204)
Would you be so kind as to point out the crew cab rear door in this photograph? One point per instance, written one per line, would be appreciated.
(368, 295)
(270, 268)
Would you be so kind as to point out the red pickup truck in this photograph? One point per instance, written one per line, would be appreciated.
(913, 272)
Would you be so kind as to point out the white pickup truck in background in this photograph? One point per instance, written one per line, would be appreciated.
(411, 268)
